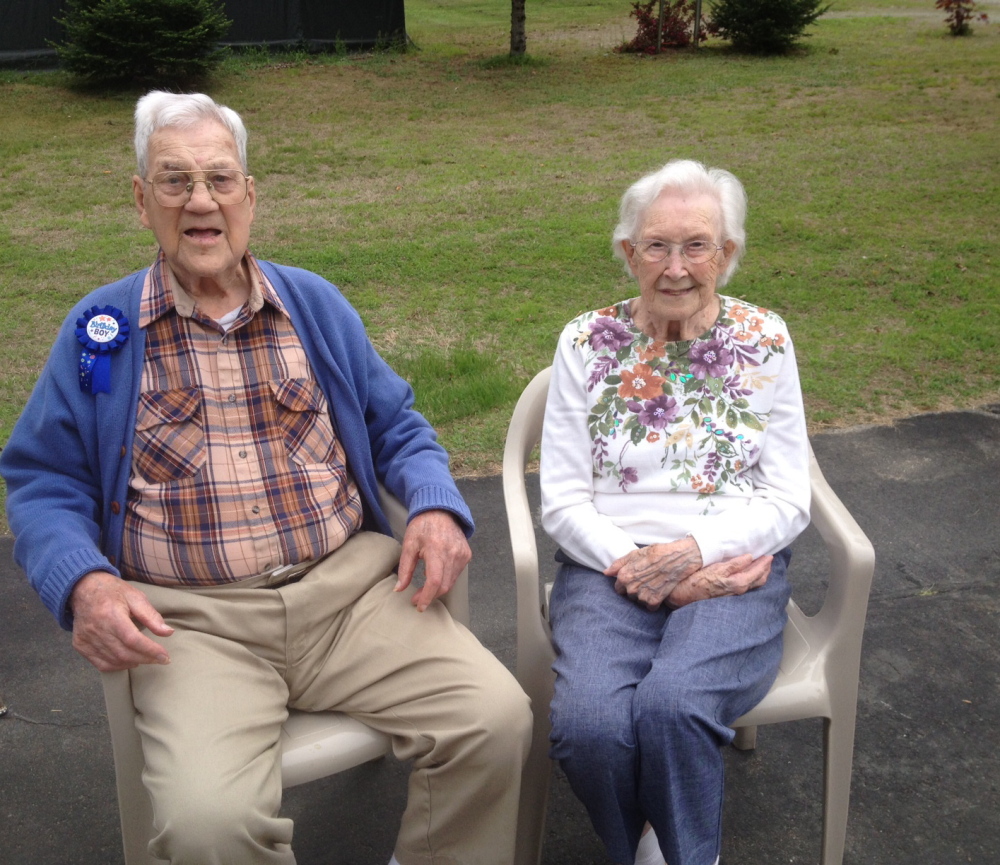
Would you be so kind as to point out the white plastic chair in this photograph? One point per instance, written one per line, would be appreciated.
(314, 744)
(819, 669)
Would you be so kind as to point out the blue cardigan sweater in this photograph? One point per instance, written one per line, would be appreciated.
(68, 460)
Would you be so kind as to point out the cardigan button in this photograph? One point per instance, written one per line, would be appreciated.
(116, 508)
(123, 450)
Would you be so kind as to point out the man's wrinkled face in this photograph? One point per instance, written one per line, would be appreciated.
(203, 241)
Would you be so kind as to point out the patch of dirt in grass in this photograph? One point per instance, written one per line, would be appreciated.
(603, 37)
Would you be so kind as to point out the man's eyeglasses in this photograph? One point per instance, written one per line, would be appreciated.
(174, 188)
(694, 251)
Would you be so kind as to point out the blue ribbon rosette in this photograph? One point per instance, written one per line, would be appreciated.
(101, 331)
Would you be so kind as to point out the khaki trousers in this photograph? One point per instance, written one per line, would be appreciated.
(340, 638)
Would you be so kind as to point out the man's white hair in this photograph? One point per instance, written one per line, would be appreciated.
(159, 110)
(689, 177)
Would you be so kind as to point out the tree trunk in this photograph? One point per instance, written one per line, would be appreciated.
(518, 39)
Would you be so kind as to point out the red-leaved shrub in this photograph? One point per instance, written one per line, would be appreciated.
(959, 14)
(678, 26)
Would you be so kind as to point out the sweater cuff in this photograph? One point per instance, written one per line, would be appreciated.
(442, 499)
(711, 551)
(55, 591)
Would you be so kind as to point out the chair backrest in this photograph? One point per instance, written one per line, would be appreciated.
(819, 671)
(841, 618)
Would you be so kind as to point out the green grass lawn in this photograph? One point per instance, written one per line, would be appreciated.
(465, 206)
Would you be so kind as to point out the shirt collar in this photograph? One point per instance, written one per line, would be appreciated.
(163, 292)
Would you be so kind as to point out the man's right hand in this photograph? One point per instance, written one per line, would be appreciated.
(106, 610)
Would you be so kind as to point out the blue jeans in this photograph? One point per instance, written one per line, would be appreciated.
(643, 702)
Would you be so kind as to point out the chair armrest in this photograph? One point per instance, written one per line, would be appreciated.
(525, 430)
(852, 563)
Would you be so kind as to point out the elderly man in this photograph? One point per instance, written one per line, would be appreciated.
(193, 488)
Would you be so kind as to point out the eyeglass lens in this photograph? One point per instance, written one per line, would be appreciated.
(694, 251)
(174, 188)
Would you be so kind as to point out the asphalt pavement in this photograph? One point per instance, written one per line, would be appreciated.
(926, 490)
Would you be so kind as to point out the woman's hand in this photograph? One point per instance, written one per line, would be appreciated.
(672, 574)
(733, 577)
(650, 574)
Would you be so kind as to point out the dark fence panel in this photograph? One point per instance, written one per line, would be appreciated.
(27, 26)
(263, 21)
(353, 22)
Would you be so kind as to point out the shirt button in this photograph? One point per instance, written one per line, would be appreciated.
(255, 509)
(232, 397)
(243, 454)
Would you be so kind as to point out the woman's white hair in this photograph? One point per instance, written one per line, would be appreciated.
(690, 177)
(159, 110)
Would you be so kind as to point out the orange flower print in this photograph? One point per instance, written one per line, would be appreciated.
(739, 313)
(652, 351)
(640, 383)
(610, 311)
(743, 336)
(765, 341)
(653, 437)
(779, 339)
(702, 486)
(756, 324)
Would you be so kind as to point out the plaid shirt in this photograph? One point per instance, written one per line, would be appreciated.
(236, 468)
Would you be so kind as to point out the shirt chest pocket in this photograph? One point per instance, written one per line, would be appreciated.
(169, 435)
(304, 419)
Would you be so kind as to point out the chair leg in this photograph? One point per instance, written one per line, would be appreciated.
(534, 797)
(838, 735)
(134, 806)
(746, 738)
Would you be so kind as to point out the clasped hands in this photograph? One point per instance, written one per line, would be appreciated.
(673, 574)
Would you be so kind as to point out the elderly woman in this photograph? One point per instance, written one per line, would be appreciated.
(674, 475)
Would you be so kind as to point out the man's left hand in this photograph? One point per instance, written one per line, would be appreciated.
(437, 538)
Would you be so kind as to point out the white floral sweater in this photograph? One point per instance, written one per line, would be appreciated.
(646, 442)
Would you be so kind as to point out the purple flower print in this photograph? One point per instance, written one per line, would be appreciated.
(628, 476)
(603, 367)
(744, 354)
(710, 359)
(733, 390)
(610, 334)
(657, 413)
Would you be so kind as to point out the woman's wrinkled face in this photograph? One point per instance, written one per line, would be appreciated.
(674, 290)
